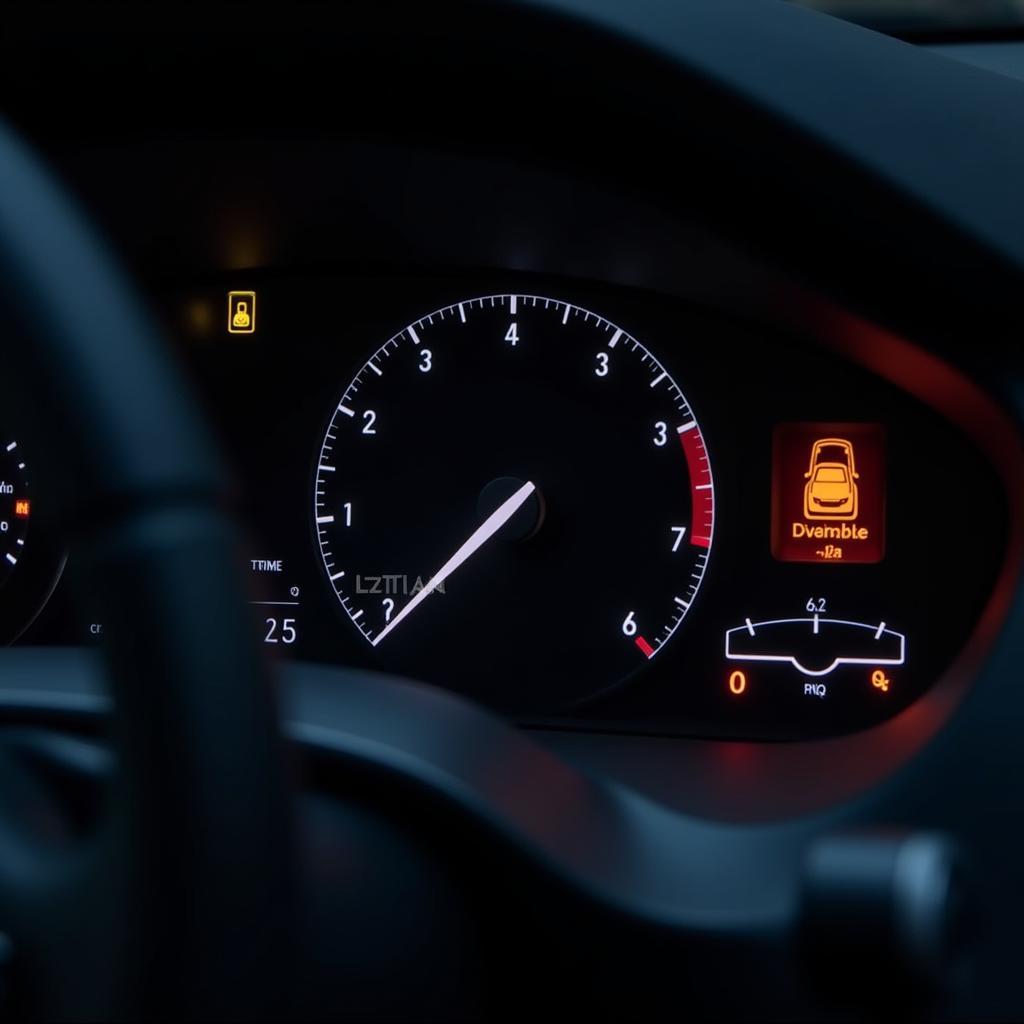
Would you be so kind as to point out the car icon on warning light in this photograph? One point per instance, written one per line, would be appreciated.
(831, 488)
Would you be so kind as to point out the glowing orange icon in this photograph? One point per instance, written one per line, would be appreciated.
(21, 508)
(737, 682)
(880, 681)
(831, 488)
(828, 492)
(241, 312)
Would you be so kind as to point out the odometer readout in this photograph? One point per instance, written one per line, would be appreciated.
(513, 497)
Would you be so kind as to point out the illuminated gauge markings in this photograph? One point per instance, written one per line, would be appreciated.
(15, 508)
(513, 497)
(816, 646)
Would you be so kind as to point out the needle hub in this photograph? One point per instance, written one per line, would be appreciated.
(527, 519)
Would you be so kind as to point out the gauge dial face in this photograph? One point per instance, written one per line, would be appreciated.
(513, 498)
(15, 508)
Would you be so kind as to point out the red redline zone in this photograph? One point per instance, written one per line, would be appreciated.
(644, 646)
(703, 500)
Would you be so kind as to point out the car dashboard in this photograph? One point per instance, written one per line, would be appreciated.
(702, 471)
(732, 530)
(677, 571)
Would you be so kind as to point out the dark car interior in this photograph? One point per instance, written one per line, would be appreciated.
(512, 510)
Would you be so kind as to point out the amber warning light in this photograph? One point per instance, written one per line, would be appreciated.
(21, 508)
(828, 492)
(241, 312)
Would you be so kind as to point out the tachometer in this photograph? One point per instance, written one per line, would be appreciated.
(513, 498)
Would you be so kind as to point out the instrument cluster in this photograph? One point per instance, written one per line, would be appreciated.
(585, 507)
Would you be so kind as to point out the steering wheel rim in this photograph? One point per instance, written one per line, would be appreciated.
(179, 905)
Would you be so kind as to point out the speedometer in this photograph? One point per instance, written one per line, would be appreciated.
(513, 497)
(30, 559)
(14, 507)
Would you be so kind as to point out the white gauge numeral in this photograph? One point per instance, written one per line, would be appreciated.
(389, 607)
(602, 365)
(512, 334)
(661, 433)
(680, 532)
(426, 360)
(629, 625)
(816, 604)
(369, 418)
(348, 512)
(280, 631)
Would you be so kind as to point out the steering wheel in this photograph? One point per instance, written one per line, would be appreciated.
(178, 905)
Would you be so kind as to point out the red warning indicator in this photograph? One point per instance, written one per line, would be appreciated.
(645, 647)
(828, 492)
(702, 494)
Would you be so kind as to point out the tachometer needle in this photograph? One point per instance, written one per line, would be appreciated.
(483, 533)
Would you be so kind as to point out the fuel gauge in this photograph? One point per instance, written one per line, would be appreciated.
(817, 650)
